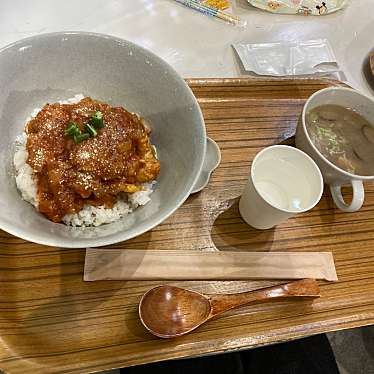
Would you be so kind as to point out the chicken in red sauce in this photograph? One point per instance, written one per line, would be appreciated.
(94, 171)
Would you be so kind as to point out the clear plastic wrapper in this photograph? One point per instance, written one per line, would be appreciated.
(288, 58)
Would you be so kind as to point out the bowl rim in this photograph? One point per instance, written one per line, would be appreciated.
(119, 236)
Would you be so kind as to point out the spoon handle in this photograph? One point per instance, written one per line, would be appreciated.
(224, 302)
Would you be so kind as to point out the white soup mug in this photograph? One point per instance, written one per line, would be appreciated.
(334, 176)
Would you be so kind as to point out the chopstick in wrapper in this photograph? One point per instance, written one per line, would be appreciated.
(212, 11)
(117, 264)
(219, 4)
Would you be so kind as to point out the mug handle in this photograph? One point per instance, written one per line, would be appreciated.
(358, 196)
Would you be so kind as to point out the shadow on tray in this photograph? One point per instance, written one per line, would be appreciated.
(231, 233)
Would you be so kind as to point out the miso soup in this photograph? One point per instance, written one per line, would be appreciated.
(344, 137)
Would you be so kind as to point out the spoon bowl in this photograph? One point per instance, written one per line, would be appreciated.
(169, 312)
(173, 311)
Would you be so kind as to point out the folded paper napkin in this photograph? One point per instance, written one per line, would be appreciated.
(117, 264)
(303, 7)
(288, 58)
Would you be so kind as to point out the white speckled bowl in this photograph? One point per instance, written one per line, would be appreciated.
(57, 66)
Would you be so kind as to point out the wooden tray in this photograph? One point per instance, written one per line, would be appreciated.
(51, 321)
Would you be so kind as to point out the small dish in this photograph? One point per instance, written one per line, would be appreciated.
(211, 162)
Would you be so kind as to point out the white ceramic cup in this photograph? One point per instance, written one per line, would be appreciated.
(332, 174)
(283, 182)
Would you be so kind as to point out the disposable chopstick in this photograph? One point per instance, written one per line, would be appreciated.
(210, 11)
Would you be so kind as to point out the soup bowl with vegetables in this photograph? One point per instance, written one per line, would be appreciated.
(337, 130)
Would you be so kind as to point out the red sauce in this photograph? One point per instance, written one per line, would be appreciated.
(94, 171)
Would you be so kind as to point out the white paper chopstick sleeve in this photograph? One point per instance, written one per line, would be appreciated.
(117, 264)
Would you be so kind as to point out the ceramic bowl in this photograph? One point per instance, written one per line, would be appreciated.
(52, 67)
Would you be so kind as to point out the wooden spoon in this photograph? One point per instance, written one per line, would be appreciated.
(168, 311)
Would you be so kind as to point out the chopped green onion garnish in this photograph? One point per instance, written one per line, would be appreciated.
(97, 120)
(72, 129)
(91, 130)
(80, 137)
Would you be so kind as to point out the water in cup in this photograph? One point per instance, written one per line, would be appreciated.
(282, 184)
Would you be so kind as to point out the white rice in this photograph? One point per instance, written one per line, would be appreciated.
(89, 215)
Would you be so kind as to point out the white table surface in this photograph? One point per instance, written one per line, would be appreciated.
(194, 44)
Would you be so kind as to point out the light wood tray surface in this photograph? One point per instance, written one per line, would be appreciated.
(51, 321)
